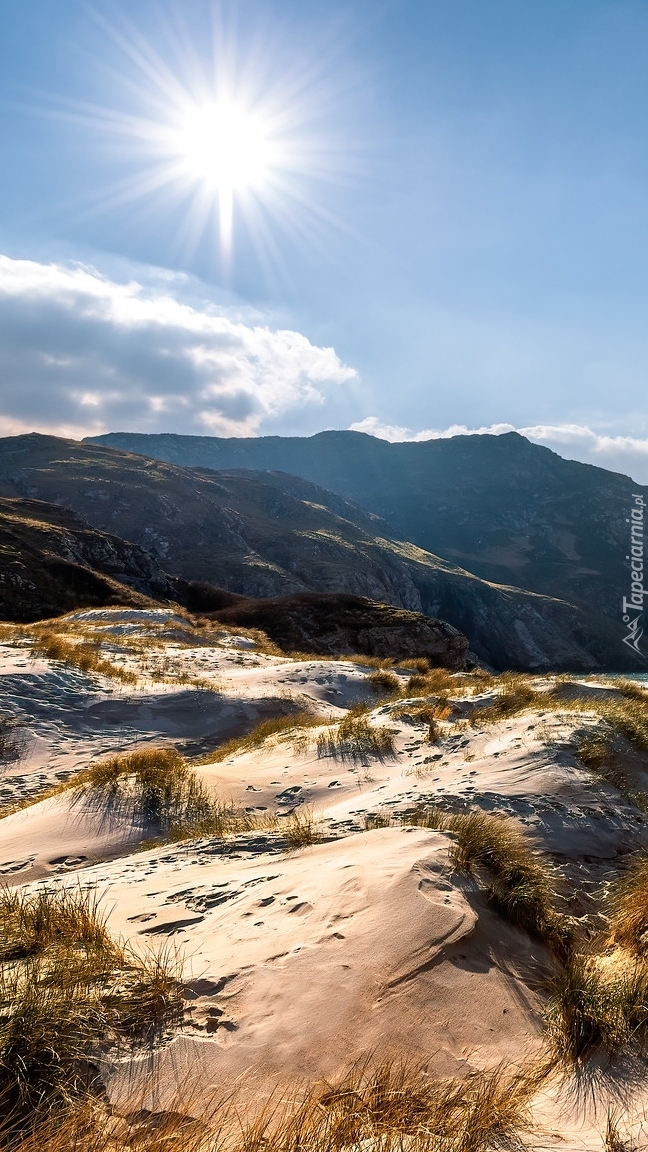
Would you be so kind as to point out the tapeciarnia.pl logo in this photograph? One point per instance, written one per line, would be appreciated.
(633, 605)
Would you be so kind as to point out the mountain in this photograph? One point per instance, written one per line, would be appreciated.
(508, 510)
(270, 534)
(52, 561)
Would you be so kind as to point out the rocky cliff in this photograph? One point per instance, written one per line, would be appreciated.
(510, 511)
(271, 534)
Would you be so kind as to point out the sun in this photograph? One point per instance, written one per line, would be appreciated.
(225, 146)
(219, 137)
(226, 151)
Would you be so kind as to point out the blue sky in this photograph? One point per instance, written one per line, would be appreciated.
(455, 233)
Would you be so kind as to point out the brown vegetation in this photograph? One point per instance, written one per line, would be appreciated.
(354, 738)
(384, 683)
(153, 784)
(80, 654)
(67, 988)
(516, 881)
(391, 1106)
(275, 726)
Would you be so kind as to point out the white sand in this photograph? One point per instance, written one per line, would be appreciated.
(299, 962)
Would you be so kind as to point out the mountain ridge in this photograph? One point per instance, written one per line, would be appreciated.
(511, 512)
(269, 535)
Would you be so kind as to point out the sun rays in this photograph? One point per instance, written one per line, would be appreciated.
(225, 141)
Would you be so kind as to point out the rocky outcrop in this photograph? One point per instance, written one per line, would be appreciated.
(338, 625)
(270, 534)
(53, 562)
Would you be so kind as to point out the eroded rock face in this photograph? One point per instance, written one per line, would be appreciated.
(505, 509)
(53, 562)
(265, 534)
(338, 625)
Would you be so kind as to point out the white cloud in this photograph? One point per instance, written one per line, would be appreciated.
(627, 454)
(80, 353)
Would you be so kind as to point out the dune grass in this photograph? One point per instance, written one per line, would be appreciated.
(516, 694)
(355, 738)
(9, 743)
(392, 1106)
(67, 991)
(154, 785)
(384, 683)
(515, 877)
(629, 909)
(275, 726)
(33, 922)
(597, 1008)
(85, 655)
(299, 830)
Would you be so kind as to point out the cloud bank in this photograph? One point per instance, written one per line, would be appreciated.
(82, 354)
(625, 454)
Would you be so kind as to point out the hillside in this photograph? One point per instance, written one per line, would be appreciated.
(272, 534)
(52, 561)
(508, 510)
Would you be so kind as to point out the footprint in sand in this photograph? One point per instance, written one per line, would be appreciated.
(68, 861)
(16, 865)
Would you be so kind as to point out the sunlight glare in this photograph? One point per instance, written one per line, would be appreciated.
(227, 150)
(225, 147)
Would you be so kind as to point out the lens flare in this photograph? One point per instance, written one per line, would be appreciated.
(228, 150)
(227, 133)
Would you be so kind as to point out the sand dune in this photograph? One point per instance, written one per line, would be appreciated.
(296, 962)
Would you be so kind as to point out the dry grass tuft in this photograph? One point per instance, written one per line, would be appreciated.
(33, 922)
(152, 784)
(9, 743)
(378, 820)
(384, 683)
(68, 991)
(390, 1107)
(432, 682)
(82, 654)
(354, 738)
(516, 879)
(275, 726)
(300, 829)
(516, 694)
(629, 919)
(595, 1008)
(429, 714)
(614, 1142)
